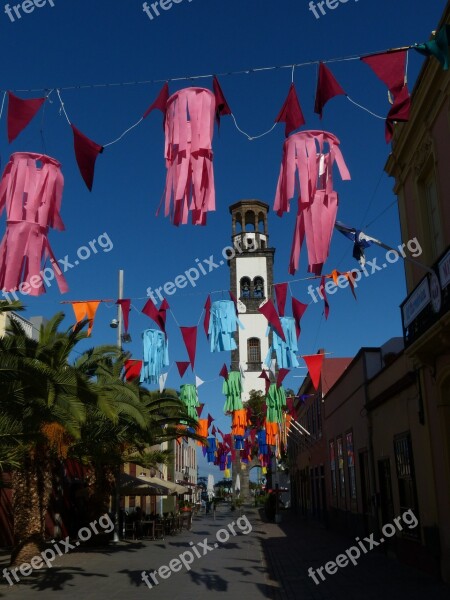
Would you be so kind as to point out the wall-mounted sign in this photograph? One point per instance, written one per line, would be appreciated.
(435, 293)
(444, 270)
(415, 304)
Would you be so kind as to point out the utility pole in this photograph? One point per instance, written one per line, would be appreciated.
(116, 538)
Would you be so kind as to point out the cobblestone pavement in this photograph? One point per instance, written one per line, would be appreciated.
(271, 562)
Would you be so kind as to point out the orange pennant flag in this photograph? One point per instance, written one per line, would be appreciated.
(84, 310)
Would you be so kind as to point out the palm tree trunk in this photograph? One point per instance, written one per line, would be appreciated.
(32, 486)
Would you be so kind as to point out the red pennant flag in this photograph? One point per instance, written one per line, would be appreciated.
(281, 293)
(182, 367)
(390, 67)
(210, 420)
(266, 379)
(222, 106)
(86, 152)
(399, 112)
(132, 369)
(190, 340)
(224, 372)
(125, 306)
(314, 364)
(199, 410)
(268, 310)
(20, 113)
(160, 103)
(151, 311)
(281, 376)
(213, 431)
(325, 299)
(163, 314)
(291, 407)
(291, 113)
(298, 310)
(327, 88)
(207, 315)
(233, 297)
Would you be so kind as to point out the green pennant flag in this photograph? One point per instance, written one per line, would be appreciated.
(437, 47)
(232, 388)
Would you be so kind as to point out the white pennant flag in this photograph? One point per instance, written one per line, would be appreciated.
(273, 365)
(198, 381)
(162, 382)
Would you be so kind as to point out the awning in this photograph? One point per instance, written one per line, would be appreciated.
(135, 486)
(173, 488)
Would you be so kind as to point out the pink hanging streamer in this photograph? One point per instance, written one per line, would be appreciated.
(31, 195)
(307, 166)
(189, 129)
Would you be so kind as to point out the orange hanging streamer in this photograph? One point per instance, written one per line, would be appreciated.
(271, 433)
(239, 421)
(84, 310)
(202, 429)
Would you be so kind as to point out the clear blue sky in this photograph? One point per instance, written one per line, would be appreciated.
(83, 42)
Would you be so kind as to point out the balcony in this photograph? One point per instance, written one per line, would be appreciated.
(426, 311)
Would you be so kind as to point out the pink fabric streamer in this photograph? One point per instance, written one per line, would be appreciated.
(189, 129)
(31, 194)
(305, 166)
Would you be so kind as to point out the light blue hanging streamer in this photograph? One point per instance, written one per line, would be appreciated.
(156, 355)
(222, 325)
(285, 351)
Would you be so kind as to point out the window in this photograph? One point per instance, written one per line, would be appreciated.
(406, 476)
(333, 469)
(245, 287)
(254, 351)
(340, 459)
(351, 464)
(258, 287)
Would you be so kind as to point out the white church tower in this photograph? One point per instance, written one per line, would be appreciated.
(251, 274)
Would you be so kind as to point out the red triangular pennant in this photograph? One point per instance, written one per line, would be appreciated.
(125, 306)
(390, 67)
(190, 339)
(182, 367)
(291, 112)
(268, 310)
(160, 103)
(132, 369)
(207, 315)
(399, 112)
(210, 420)
(222, 107)
(224, 372)
(266, 379)
(199, 410)
(327, 88)
(213, 430)
(281, 376)
(314, 364)
(20, 113)
(151, 311)
(298, 310)
(86, 152)
(281, 294)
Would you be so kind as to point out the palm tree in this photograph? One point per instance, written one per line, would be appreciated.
(42, 406)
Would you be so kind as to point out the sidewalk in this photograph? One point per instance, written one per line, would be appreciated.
(294, 546)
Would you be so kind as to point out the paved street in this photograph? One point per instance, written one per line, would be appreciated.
(271, 561)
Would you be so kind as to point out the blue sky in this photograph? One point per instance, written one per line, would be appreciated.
(84, 42)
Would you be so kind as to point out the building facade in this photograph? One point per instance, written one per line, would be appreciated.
(419, 165)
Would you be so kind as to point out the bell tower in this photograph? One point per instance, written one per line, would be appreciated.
(251, 281)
